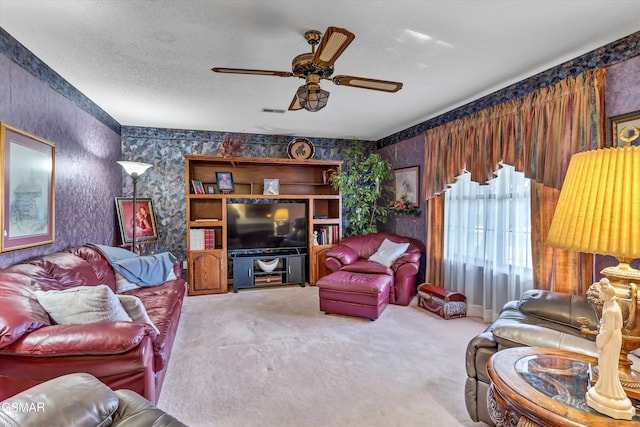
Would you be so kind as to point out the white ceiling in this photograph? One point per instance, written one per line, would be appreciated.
(148, 62)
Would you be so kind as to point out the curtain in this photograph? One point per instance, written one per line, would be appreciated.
(435, 228)
(537, 134)
(487, 241)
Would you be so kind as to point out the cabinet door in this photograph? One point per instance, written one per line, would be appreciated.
(242, 273)
(207, 273)
(295, 269)
(318, 268)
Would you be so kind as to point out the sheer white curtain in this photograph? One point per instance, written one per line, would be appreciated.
(487, 241)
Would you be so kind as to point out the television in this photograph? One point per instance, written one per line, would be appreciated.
(266, 226)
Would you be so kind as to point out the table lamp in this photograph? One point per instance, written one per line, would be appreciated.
(598, 212)
(134, 170)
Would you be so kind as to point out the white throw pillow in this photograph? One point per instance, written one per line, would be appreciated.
(389, 252)
(82, 305)
(135, 309)
(123, 285)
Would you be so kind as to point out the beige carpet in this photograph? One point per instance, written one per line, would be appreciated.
(269, 357)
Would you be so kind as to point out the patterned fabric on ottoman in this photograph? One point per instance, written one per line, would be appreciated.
(444, 303)
(354, 294)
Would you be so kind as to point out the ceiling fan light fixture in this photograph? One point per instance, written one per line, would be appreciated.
(311, 97)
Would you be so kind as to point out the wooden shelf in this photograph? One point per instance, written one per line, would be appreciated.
(302, 180)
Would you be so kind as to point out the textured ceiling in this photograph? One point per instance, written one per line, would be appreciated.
(147, 62)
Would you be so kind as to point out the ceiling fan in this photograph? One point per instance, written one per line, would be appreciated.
(318, 65)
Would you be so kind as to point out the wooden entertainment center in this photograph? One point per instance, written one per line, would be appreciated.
(299, 181)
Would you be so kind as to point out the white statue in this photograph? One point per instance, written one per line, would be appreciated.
(315, 238)
(607, 395)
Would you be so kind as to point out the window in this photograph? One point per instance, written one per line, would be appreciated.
(487, 240)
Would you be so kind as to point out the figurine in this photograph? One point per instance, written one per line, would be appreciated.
(607, 395)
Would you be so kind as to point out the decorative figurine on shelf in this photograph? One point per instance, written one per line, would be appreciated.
(607, 395)
(315, 238)
(232, 147)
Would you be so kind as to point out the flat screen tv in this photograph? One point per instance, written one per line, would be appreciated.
(266, 226)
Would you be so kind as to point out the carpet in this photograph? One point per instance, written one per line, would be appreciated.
(269, 357)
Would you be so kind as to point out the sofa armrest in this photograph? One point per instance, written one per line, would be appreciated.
(339, 256)
(136, 410)
(91, 339)
(407, 258)
(70, 400)
(525, 335)
(481, 341)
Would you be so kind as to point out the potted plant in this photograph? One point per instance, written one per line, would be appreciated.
(362, 183)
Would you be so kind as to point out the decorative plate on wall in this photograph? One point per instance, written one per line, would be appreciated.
(300, 148)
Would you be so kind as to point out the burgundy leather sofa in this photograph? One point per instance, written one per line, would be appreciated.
(123, 355)
(352, 253)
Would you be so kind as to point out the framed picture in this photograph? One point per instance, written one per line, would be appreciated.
(210, 188)
(28, 189)
(625, 127)
(197, 187)
(145, 219)
(271, 186)
(406, 184)
(225, 182)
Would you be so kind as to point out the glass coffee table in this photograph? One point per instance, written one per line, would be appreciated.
(544, 387)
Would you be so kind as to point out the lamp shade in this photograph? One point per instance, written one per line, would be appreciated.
(599, 206)
(311, 97)
(134, 169)
(281, 214)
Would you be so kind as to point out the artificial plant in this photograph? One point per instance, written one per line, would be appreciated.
(362, 181)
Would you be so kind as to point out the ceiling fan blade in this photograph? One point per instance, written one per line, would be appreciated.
(364, 83)
(295, 104)
(334, 41)
(256, 72)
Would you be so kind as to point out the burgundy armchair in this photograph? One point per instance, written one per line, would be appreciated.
(352, 254)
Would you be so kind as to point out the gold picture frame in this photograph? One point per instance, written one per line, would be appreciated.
(28, 190)
(145, 220)
(406, 184)
(625, 127)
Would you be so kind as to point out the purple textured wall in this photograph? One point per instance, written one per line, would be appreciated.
(406, 154)
(622, 88)
(87, 179)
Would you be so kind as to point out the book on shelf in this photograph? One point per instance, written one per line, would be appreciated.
(202, 239)
(196, 239)
(209, 238)
(328, 235)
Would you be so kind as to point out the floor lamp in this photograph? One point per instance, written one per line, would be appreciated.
(134, 170)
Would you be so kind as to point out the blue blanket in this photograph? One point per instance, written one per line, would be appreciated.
(148, 270)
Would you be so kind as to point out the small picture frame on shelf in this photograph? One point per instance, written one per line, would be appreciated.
(197, 187)
(210, 188)
(271, 187)
(225, 182)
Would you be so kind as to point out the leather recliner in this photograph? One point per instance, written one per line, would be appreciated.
(352, 253)
(538, 319)
(81, 400)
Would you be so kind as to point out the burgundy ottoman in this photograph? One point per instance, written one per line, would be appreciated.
(354, 294)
